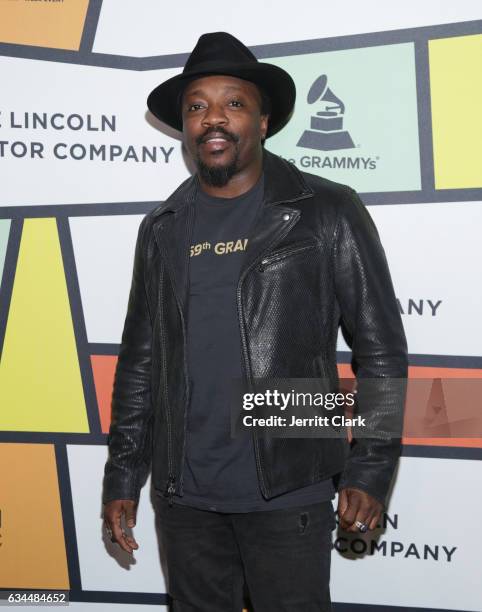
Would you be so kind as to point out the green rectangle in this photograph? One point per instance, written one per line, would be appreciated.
(355, 119)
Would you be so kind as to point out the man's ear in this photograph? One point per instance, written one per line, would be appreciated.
(264, 126)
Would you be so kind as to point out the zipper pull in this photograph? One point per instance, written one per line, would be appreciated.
(170, 489)
(262, 265)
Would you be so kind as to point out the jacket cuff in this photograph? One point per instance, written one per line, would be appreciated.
(376, 484)
(117, 486)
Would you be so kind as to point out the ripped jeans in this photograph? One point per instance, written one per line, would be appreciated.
(280, 558)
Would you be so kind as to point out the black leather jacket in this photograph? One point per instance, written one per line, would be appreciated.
(315, 253)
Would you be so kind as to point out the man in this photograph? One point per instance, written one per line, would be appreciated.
(245, 272)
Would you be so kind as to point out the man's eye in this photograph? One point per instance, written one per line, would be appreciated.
(193, 107)
(236, 102)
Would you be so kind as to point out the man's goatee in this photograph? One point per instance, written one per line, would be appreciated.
(217, 176)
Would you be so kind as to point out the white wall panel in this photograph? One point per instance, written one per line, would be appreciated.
(104, 566)
(104, 254)
(430, 513)
(144, 28)
(432, 250)
(87, 91)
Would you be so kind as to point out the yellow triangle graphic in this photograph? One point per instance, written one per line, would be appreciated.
(40, 383)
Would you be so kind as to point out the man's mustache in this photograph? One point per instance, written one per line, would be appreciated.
(217, 130)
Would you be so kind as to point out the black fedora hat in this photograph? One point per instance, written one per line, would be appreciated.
(223, 54)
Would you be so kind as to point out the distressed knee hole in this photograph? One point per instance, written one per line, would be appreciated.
(303, 522)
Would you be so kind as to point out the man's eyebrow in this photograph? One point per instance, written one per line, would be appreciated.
(200, 91)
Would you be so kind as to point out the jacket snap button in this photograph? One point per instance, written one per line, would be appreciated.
(286, 217)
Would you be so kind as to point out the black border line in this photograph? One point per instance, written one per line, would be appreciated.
(129, 597)
(446, 361)
(81, 210)
(90, 27)
(441, 452)
(424, 113)
(67, 509)
(299, 47)
(350, 607)
(368, 39)
(42, 437)
(8, 275)
(442, 196)
(100, 349)
(78, 321)
(53, 437)
(344, 357)
(96, 209)
(120, 597)
(429, 360)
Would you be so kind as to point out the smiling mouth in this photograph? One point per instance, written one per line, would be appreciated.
(215, 139)
(218, 138)
(216, 144)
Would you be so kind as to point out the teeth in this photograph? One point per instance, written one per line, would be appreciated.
(217, 139)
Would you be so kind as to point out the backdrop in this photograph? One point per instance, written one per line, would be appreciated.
(81, 162)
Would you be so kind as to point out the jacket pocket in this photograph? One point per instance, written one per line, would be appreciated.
(286, 252)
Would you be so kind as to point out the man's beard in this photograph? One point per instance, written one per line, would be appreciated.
(217, 175)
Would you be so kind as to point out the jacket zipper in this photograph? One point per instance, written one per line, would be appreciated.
(282, 254)
(171, 487)
(169, 492)
(191, 215)
(245, 344)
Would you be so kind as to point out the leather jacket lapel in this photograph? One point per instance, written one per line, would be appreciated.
(273, 223)
(173, 229)
(276, 219)
(173, 236)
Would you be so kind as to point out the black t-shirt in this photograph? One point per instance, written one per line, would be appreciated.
(220, 470)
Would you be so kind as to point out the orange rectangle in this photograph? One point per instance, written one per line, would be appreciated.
(57, 25)
(32, 540)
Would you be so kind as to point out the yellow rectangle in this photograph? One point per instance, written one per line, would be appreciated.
(456, 97)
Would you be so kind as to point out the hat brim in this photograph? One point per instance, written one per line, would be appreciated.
(276, 82)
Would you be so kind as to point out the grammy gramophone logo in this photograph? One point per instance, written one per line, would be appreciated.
(326, 131)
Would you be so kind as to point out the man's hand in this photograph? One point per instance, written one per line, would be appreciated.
(113, 512)
(356, 505)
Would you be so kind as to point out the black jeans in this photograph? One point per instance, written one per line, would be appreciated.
(282, 557)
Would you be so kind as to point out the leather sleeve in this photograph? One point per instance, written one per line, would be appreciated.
(369, 310)
(130, 432)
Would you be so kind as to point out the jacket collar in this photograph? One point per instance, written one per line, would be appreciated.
(173, 232)
(283, 183)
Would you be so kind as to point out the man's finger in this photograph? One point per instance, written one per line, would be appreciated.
(128, 543)
(114, 512)
(342, 502)
(130, 540)
(375, 520)
(108, 530)
(125, 542)
(118, 534)
(349, 516)
(363, 517)
(130, 516)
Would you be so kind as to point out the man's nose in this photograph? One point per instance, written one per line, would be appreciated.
(214, 115)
